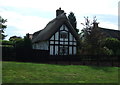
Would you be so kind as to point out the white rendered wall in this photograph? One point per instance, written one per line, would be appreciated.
(51, 50)
(71, 38)
(75, 51)
(56, 50)
(41, 45)
(70, 50)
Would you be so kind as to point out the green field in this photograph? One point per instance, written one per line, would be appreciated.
(17, 72)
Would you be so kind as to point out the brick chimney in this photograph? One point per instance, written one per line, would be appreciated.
(59, 11)
(95, 25)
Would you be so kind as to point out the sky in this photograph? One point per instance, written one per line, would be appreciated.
(29, 16)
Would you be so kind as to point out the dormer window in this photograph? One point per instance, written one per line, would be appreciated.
(63, 35)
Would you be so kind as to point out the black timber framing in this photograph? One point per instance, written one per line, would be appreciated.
(49, 47)
(54, 46)
(68, 41)
(59, 42)
(63, 45)
(72, 45)
(64, 41)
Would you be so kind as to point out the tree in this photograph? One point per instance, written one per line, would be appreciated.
(6, 42)
(15, 40)
(22, 46)
(112, 44)
(27, 43)
(2, 28)
(91, 37)
(73, 21)
(87, 27)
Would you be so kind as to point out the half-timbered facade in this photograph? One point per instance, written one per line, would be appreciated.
(63, 42)
(58, 37)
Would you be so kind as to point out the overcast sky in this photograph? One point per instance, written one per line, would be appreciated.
(28, 16)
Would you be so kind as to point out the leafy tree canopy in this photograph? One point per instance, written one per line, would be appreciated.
(112, 44)
(73, 21)
(2, 28)
(91, 37)
(15, 38)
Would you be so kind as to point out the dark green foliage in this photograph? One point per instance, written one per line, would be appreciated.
(113, 44)
(27, 42)
(18, 42)
(2, 36)
(95, 42)
(8, 52)
(2, 28)
(88, 29)
(91, 43)
(10, 49)
(27, 45)
(14, 38)
(21, 47)
(106, 51)
(73, 21)
(6, 42)
(7, 49)
(92, 39)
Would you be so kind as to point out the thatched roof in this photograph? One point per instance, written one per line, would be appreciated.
(52, 27)
(108, 32)
(111, 33)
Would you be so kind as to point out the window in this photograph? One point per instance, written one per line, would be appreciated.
(63, 50)
(63, 35)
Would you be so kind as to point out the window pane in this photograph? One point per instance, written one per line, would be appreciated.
(63, 35)
(63, 50)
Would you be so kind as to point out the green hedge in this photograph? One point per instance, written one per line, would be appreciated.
(5, 42)
(8, 53)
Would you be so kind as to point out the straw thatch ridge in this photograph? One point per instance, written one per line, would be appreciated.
(52, 27)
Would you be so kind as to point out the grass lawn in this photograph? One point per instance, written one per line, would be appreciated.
(18, 72)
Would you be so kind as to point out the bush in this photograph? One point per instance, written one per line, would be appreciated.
(5, 42)
(112, 44)
(8, 53)
(118, 52)
(106, 51)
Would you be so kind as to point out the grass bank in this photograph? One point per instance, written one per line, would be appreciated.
(19, 72)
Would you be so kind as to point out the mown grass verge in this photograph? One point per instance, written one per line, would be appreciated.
(19, 72)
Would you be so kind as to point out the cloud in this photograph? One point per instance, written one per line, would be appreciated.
(108, 25)
(119, 15)
(105, 21)
(20, 24)
(28, 16)
(84, 6)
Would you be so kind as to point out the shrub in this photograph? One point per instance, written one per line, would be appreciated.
(112, 44)
(5, 42)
